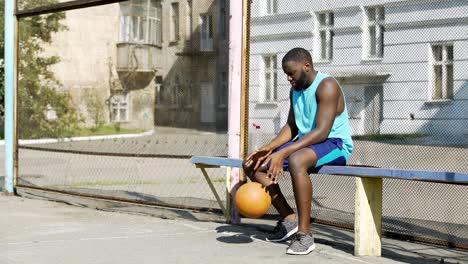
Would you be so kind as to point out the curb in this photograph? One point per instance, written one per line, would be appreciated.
(73, 139)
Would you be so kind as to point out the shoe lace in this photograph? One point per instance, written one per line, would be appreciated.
(297, 237)
(278, 226)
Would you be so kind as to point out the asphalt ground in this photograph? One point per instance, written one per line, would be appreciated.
(39, 231)
(133, 178)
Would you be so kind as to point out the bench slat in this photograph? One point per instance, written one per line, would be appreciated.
(438, 176)
(217, 161)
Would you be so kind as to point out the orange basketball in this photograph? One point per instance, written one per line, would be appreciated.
(252, 200)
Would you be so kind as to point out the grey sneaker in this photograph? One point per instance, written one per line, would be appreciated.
(302, 244)
(283, 230)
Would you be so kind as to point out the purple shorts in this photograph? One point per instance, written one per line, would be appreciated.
(329, 152)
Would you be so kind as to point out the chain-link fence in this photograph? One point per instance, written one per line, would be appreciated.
(402, 68)
(114, 99)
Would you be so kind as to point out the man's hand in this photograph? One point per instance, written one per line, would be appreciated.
(257, 157)
(276, 167)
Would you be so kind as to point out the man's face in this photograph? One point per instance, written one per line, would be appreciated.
(296, 72)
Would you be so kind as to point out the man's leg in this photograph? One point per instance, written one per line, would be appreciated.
(277, 198)
(301, 163)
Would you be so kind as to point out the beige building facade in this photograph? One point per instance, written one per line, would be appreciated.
(146, 63)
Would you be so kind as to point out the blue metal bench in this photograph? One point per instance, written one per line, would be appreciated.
(368, 198)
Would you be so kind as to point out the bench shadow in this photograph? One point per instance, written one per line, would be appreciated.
(339, 239)
(343, 240)
(243, 233)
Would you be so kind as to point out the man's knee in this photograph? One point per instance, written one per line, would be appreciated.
(247, 170)
(244, 166)
(300, 162)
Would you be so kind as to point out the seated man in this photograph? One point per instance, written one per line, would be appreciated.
(316, 133)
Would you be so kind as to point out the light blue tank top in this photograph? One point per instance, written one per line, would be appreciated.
(305, 112)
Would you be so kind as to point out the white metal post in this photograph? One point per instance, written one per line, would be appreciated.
(9, 105)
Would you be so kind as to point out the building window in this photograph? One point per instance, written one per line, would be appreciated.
(323, 40)
(206, 36)
(140, 22)
(441, 71)
(189, 17)
(373, 30)
(222, 19)
(174, 22)
(268, 7)
(119, 107)
(161, 93)
(268, 80)
(166, 94)
(185, 95)
(223, 92)
(176, 92)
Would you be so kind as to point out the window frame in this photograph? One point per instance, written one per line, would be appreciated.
(174, 22)
(138, 28)
(447, 78)
(323, 36)
(222, 28)
(159, 86)
(206, 44)
(117, 118)
(268, 7)
(223, 90)
(184, 95)
(373, 43)
(175, 88)
(268, 95)
(189, 19)
(166, 93)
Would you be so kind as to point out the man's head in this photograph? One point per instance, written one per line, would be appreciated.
(297, 64)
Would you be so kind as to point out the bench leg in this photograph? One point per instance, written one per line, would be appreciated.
(228, 194)
(368, 217)
(213, 189)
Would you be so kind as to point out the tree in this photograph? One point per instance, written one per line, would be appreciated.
(37, 90)
(2, 60)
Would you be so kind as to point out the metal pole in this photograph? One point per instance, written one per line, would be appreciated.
(235, 87)
(245, 81)
(9, 83)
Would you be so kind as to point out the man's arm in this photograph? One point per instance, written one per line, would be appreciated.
(328, 94)
(288, 131)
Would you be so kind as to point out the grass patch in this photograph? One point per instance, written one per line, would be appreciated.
(191, 181)
(384, 137)
(98, 131)
(187, 181)
(108, 183)
(219, 180)
(106, 130)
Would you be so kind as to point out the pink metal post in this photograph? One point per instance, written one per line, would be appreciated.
(235, 95)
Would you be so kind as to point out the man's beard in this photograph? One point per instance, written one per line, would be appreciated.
(302, 82)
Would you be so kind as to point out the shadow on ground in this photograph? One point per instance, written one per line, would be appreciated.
(343, 240)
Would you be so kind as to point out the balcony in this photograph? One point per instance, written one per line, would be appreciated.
(136, 64)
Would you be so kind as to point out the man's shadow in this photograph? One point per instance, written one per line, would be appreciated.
(248, 232)
(336, 238)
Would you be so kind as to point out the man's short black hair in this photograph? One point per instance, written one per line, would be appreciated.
(298, 55)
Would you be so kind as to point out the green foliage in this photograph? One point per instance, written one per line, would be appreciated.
(385, 137)
(95, 106)
(38, 87)
(105, 130)
(117, 127)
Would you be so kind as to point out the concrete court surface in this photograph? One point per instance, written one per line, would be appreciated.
(39, 231)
